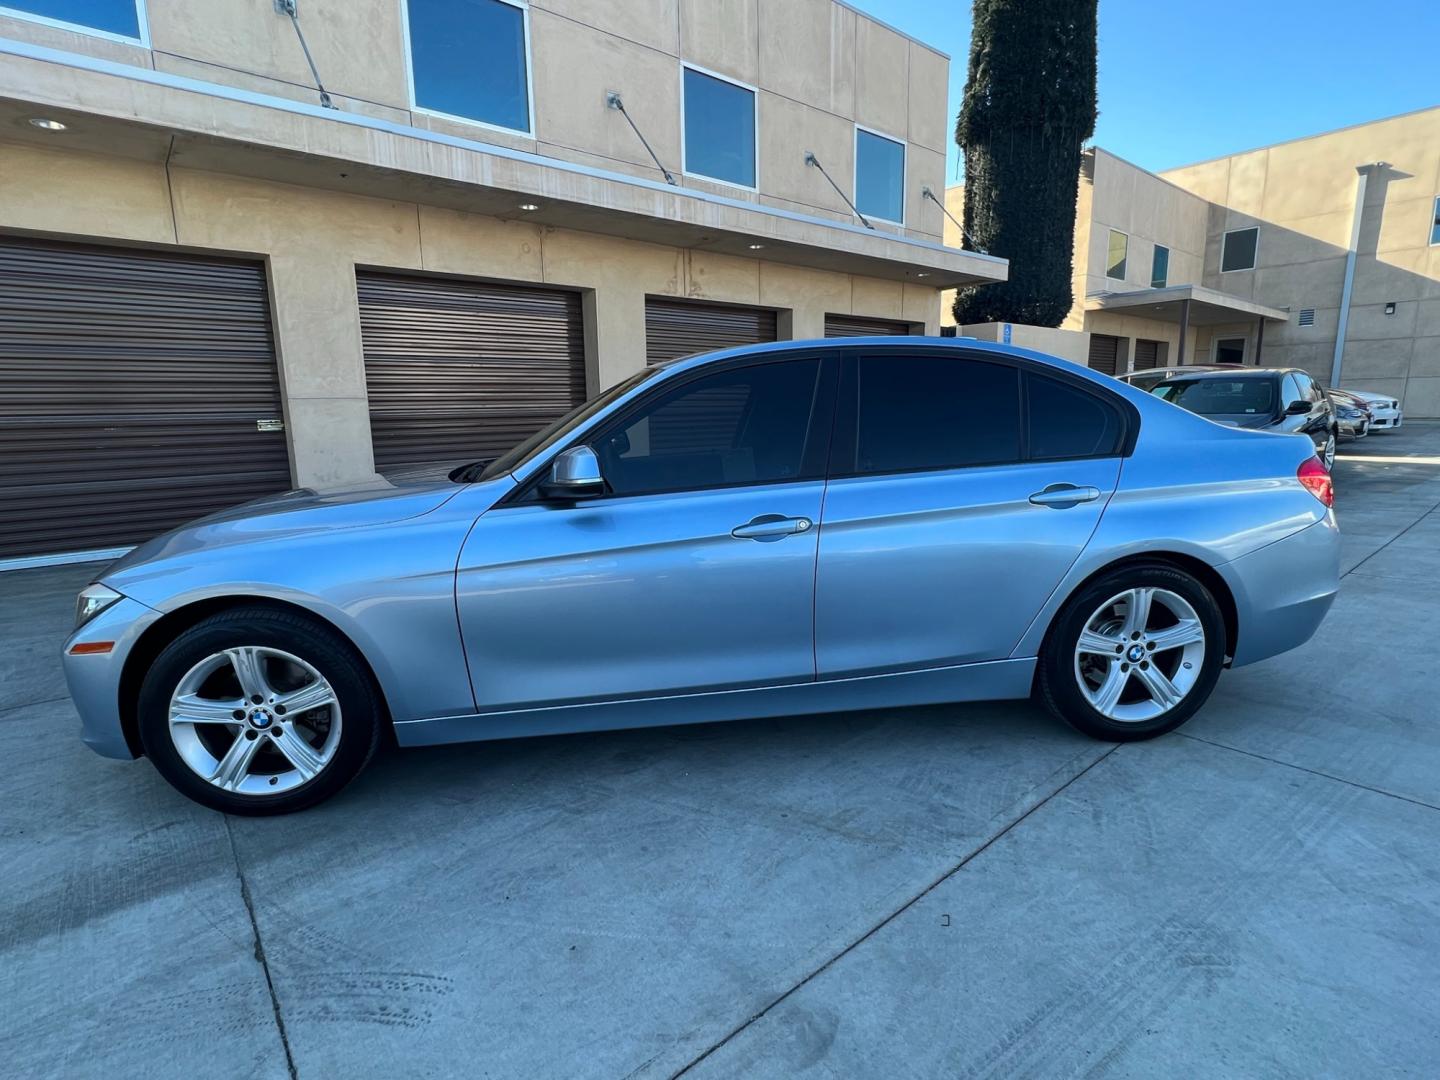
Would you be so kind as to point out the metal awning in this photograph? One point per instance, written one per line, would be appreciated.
(1207, 307)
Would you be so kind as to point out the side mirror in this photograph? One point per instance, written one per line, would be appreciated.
(575, 474)
(1298, 408)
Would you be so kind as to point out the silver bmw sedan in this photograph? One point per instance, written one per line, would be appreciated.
(803, 527)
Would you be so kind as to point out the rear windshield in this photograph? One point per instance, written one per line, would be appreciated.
(1220, 397)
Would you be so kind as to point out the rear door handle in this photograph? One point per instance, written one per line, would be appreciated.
(769, 527)
(1062, 496)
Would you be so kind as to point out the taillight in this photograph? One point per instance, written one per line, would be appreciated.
(1315, 478)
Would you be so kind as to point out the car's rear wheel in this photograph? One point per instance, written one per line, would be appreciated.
(1134, 654)
(259, 711)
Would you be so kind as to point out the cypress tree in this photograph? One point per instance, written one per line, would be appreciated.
(1029, 107)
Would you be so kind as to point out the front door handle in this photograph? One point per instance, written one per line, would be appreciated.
(769, 527)
(1062, 496)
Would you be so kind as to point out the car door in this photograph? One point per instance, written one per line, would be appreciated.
(694, 571)
(963, 487)
(1315, 420)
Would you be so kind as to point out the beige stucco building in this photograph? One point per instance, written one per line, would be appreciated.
(1261, 245)
(227, 286)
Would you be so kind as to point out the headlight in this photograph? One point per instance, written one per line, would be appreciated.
(93, 599)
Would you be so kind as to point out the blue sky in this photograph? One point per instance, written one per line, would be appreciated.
(1183, 82)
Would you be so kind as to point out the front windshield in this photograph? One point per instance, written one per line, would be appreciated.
(1220, 397)
(517, 456)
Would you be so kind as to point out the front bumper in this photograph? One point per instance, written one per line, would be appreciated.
(1387, 419)
(94, 678)
(1283, 591)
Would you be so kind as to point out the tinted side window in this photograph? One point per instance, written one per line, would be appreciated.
(931, 411)
(1307, 386)
(1068, 422)
(743, 426)
(1290, 391)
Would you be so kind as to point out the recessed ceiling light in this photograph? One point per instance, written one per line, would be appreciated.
(756, 247)
(527, 206)
(46, 124)
(922, 275)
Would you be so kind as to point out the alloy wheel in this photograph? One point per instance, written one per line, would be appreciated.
(1140, 654)
(1328, 454)
(253, 720)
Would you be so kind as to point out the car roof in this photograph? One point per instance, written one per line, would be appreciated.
(1215, 371)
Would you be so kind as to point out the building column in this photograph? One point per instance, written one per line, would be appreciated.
(1184, 330)
(1259, 340)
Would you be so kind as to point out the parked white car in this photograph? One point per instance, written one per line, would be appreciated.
(1388, 414)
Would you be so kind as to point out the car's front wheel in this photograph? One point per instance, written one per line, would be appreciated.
(1134, 654)
(1327, 452)
(259, 711)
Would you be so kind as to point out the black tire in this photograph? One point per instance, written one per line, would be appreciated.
(320, 646)
(1056, 683)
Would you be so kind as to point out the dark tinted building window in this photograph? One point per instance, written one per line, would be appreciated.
(719, 129)
(932, 412)
(1238, 250)
(468, 60)
(743, 426)
(119, 17)
(1068, 422)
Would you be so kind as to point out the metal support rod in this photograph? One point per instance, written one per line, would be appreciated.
(1184, 330)
(811, 159)
(1259, 341)
(1363, 172)
(287, 7)
(927, 192)
(612, 99)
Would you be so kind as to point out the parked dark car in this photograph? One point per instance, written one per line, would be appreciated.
(1263, 399)
(1354, 414)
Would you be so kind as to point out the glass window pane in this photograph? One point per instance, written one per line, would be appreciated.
(113, 16)
(1239, 250)
(1068, 422)
(468, 59)
(719, 129)
(1115, 261)
(1435, 228)
(879, 177)
(745, 426)
(1160, 267)
(934, 412)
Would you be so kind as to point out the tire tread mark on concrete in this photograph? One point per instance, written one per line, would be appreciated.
(1312, 772)
(891, 917)
(1392, 540)
(1146, 974)
(260, 951)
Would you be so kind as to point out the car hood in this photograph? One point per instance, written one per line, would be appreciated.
(280, 516)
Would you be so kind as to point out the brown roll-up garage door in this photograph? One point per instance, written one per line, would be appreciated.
(461, 371)
(131, 383)
(858, 326)
(1149, 354)
(676, 328)
(1104, 353)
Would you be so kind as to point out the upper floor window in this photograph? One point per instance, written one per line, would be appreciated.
(879, 176)
(469, 59)
(1160, 268)
(1116, 256)
(1238, 250)
(719, 128)
(1435, 225)
(111, 18)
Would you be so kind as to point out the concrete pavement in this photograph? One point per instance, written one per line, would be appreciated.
(962, 890)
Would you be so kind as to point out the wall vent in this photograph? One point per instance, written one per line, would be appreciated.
(1307, 316)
